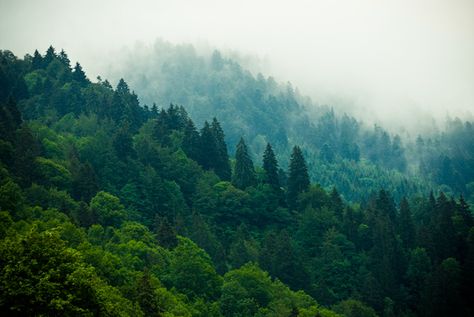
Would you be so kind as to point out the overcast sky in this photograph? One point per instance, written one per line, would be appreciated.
(389, 59)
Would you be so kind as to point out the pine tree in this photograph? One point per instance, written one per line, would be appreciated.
(270, 166)
(79, 75)
(123, 142)
(208, 152)
(64, 59)
(50, 56)
(222, 165)
(298, 180)
(337, 204)
(385, 204)
(407, 229)
(244, 174)
(37, 61)
(191, 141)
(14, 113)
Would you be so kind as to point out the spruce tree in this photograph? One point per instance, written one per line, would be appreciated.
(222, 165)
(208, 152)
(244, 174)
(50, 56)
(191, 141)
(270, 166)
(298, 180)
(37, 61)
(407, 229)
(79, 75)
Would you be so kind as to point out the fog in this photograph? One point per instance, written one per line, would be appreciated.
(387, 61)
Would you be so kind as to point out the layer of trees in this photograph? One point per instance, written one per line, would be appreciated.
(111, 208)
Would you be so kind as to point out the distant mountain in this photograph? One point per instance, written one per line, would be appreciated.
(342, 151)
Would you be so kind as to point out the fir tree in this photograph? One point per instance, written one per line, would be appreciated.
(270, 166)
(298, 180)
(37, 61)
(407, 230)
(79, 75)
(222, 165)
(191, 141)
(244, 174)
(208, 149)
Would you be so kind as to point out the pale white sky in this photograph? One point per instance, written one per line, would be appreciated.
(388, 58)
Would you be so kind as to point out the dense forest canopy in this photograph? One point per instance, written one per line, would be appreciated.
(110, 207)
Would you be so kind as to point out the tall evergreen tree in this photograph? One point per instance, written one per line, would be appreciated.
(49, 56)
(208, 149)
(79, 75)
(123, 142)
(244, 174)
(406, 227)
(191, 140)
(64, 59)
(222, 165)
(37, 61)
(270, 166)
(298, 180)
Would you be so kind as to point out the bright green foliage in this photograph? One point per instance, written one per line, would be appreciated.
(191, 271)
(40, 275)
(108, 209)
(354, 308)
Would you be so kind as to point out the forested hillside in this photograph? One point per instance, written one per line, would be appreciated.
(113, 208)
(341, 150)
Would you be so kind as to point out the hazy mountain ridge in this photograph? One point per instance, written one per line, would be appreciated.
(260, 109)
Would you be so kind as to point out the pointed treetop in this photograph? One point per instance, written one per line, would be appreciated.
(298, 180)
(270, 166)
(244, 174)
(79, 75)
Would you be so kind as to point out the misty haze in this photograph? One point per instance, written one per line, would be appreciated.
(237, 158)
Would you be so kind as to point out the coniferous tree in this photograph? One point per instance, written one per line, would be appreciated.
(407, 229)
(14, 113)
(37, 61)
(222, 165)
(298, 180)
(64, 59)
(191, 140)
(208, 148)
(337, 204)
(79, 75)
(49, 56)
(270, 166)
(123, 143)
(244, 174)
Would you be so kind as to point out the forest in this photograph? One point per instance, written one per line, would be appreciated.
(227, 197)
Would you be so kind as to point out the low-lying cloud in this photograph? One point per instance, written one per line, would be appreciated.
(389, 61)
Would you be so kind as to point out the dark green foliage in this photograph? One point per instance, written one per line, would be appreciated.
(165, 234)
(270, 166)
(191, 141)
(244, 172)
(407, 229)
(222, 165)
(298, 179)
(79, 75)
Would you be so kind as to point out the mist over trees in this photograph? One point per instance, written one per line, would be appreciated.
(112, 207)
(262, 110)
